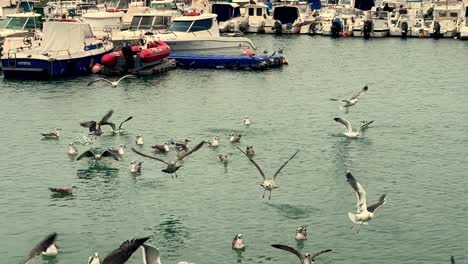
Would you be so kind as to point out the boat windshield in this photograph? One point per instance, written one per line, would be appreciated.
(22, 23)
(163, 6)
(180, 26)
(141, 22)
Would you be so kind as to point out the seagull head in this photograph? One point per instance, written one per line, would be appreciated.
(239, 236)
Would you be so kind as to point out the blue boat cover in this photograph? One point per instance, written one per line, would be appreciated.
(225, 61)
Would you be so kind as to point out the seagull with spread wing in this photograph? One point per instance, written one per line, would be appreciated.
(364, 213)
(305, 259)
(268, 184)
(95, 127)
(353, 100)
(46, 245)
(121, 254)
(172, 166)
(119, 130)
(350, 133)
(96, 155)
(113, 84)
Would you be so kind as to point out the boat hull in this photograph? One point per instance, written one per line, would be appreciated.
(373, 34)
(222, 45)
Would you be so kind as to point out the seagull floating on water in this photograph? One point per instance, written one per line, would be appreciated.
(247, 121)
(162, 148)
(52, 135)
(238, 243)
(213, 142)
(95, 155)
(41, 247)
(268, 185)
(353, 100)
(301, 233)
(139, 139)
(121, 254)
(224, 158)
(250, 151)
(305, 259)
(172, 166)
(119, 130)
(72, 150)
(350, 133)
(95, 127)
(113, 84)
(135, 166)
(182, 145)
(63, 191)
(235, 138)
(364, 213)
(119, 152)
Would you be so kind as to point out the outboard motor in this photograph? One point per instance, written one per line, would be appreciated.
(278, 27)
(367, 29)
(313, 28)
(404, 29)
(336, 28)
(436, 33)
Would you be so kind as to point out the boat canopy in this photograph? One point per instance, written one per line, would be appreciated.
(225, 11)
(286, 14)
(60, 36)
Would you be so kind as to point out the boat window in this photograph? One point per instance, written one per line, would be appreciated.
(180, 26)
(442, 14)
(163, 6)
(200, 25)
(453, 14)
(16, 23)
(259, 12)
(251, 12)
(162, 21)
(146, 22)
(135, 22)
(32, 23)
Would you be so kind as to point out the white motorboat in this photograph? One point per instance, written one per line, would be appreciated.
(446, 19)
(257, 15)
(229, 17)
(200, 35)
(285, 19)
(410, 25)
(375, 25)
(463, 30)
(104, 24)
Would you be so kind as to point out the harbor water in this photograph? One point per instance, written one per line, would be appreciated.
(415, 152)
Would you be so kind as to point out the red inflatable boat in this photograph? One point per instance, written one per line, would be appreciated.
(156, 50)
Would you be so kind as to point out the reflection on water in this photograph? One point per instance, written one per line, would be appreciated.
(292, 211)
(171, 234)
(97, 169)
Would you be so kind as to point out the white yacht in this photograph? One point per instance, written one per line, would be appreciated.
(200, 35)
(229, 17)
(285, 19)
(446, 19)
(376, 25)
(104, 24)
(257, 15)
(464, 25)
(410, 25)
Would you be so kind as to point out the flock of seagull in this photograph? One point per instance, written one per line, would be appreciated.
(362, 216)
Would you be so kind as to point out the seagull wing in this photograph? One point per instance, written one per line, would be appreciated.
(334, 99)
(289, 249)
(254, 163)
(197, 147)
(98, 80)
(148, 156)
(128, 119)
(452, 260)
(382, 201)
(126, 76)
(360, 192)
(112, 125)
(320, 253)
(89, 124)
(279, 170)
(123, 253)
(364, 126)
(108, 153)
(345, 123)
(106, 118)
(41, 247)
(360, 93)
(150, 254)
(86, 154)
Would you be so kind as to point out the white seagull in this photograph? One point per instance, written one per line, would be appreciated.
(247, 121)
(268, 185)
(72, 150)
(52, 135)
(350, 133)
(351, 101)
(364, 213)
(305, 259)
(238, 243)
(113, 84)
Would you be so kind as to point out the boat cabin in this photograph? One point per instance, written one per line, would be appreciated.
(149, 21)
(193, 24)
(257, 10)
(286, 14)
(225, 11)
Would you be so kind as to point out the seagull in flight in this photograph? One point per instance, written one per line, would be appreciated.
(353, 100)
(305, 259)
(350, 133)
(95, 127)
(172, 166)
(113, 84)
(268, 185)
(120, 130)
(364, 213)
(121, 254)
(41, 247)
(91, 153)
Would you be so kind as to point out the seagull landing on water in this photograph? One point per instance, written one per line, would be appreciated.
(95, 155)
(113, 84)
(52, 135)
(305, 259)
(172, 166)
(301, 233)
(350, 133)
(43, 246)
(268, 185)
(364, 213)
(353, 100)
(121, 254)
(119, 130)
(238, 243)
(95, 127)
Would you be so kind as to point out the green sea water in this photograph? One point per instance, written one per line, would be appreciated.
(415, 152)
